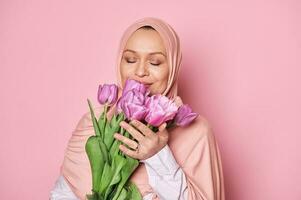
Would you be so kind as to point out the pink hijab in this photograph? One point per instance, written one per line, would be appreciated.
(194, 147)
(172, 45)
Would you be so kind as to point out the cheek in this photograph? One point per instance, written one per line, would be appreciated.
(161, 76)
(125, 72)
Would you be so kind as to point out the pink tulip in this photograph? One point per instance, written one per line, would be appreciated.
(160, 109)
(132, 104)
(131, 84)
(107, 94)
(185, 116)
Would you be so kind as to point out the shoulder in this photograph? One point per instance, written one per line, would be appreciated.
(201, 128)
(199, 132)
(190, 142)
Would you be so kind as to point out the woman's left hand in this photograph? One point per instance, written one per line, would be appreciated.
(149, 142)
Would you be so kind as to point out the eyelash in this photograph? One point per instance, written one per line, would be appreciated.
(151, 63)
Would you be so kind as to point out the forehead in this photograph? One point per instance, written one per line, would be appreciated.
(145, 41)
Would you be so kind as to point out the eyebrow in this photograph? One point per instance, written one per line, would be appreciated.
(158, 52)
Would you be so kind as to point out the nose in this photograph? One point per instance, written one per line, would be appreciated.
(141, 70)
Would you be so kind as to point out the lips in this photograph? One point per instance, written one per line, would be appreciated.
(146, 84)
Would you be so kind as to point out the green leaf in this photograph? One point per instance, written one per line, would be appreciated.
(102, 124)
(109, 137)
(126, 172)
(134, 193)
(105, 178)
(96, 159)
(103, 121)
(113, 119)
(104, 150)
(123, 194)
(112, 128)
(92, 196)
(127, 134)
(95, 124)
(118, 163)
(115, 147)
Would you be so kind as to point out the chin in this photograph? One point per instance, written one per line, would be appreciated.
(154, 92)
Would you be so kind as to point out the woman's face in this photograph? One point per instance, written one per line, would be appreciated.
(144, 59)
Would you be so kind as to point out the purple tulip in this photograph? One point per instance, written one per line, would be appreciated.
(160, 109)
(131, 84)
(132, 104)
(107, 94)
(185, 116)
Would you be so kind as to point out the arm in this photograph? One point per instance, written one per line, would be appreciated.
(165, 175)
(152, 149)
(203, 167)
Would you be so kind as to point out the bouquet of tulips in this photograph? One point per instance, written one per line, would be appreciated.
(110, 168)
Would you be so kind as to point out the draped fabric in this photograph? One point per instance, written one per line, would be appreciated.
(194, 147)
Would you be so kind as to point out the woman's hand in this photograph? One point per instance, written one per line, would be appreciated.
(149, 142)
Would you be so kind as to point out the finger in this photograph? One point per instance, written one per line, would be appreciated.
(162, 126)
(136, 134)
(129, 152)
(142, 127)
(132, 144)
(162, 131)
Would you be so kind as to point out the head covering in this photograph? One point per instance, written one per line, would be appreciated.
(172, 45)
(194, 147)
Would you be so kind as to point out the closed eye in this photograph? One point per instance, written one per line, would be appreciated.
(128, 61)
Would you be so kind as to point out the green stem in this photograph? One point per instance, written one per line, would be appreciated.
(150, 127)
(105, 121)
(122, 133)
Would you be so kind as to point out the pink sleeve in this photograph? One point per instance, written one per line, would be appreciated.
(203, 168)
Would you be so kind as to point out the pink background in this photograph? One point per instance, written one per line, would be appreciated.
(241, 70)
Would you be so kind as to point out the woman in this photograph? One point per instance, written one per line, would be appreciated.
(179, 163)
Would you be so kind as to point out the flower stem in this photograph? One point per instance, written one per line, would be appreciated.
(150, 126)
(105, 121)
(122, 133)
